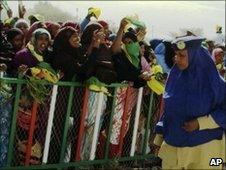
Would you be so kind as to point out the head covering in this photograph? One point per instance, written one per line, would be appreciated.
(66, 57)
(21, 22)
(53, 28)
(155, 42)
(10, 22)
(103, 23)
(74, 25)
(37, 17)
(130, 34)
(12, 33)
(37, 33)
(192, 93)
(164, 55)
(33, 27)
(61, 42)
(187, 42)
(216, 52)
(87, 35)
(200, 84)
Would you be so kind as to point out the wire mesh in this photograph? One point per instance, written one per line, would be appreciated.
(74, 124)
(24, 114)
(23, 126)
(154, 118)
(6, 108)
(58, 122)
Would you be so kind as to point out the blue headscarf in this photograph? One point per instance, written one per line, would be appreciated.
(155, 42)
(160, 51)
(199, 88)
(194, 92)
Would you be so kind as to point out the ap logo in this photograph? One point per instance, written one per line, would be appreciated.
(216, 161)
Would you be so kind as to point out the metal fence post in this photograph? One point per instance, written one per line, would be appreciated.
(138, 107)
(82, 121)
(66, 126)
(50, 124)
(96, 125)
(31, 132)
(125, 112)
(13, 124)
(148, 123)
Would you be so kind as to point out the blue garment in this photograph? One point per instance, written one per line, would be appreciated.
(192, 93)
(5, 119)
(155, 42)
(84, 23)
(160, 51)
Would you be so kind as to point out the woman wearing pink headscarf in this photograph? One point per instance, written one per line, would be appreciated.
(53, 28)
(217, 56)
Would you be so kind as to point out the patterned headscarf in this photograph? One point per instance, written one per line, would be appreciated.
(37, 33)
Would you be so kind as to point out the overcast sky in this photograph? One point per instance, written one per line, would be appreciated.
(160, 17)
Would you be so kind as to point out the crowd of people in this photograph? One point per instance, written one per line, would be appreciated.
(192, 68)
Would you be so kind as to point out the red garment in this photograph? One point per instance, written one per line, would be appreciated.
(34, 27)
(104, 24)
(74, 25)
(53, 28)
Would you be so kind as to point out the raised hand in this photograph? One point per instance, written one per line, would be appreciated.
(98, 37)
(22, 11)
(123, 24)
(1, 7)
(10, 13)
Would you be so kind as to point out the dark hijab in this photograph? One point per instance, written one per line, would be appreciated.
(87, 35)
(12, 33)
(99, 63)
(61, 42)
(66, 58)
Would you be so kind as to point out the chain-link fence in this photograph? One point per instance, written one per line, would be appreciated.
(74, 127)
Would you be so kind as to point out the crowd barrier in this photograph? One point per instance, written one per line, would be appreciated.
(76, 127)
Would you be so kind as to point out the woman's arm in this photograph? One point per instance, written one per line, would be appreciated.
(116, 46)
(214, 120)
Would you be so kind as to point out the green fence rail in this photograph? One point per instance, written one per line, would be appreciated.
(70, 100)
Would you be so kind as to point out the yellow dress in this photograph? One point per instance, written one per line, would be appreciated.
(197, 157)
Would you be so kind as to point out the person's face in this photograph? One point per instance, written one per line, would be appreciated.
(42, 42)
(17, 42)
(181, 59)
(142, 49)
(74, 40)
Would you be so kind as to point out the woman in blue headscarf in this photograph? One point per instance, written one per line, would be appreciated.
(193, 125)
(165, 55)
